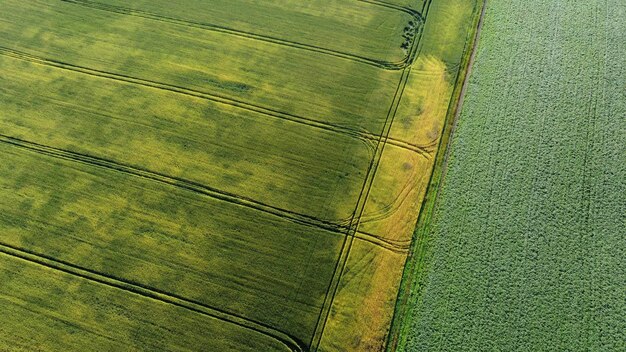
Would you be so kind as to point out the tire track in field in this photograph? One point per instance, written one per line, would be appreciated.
(443, 149)
(380, 241)
(352, 231)
(392, 207)
(136, 288)
(178, 89)
(173, 181)
(363, 196)
(353, 224)
(423, 150)
(334, 128)
(195, 187)
(414, 13)
(387, 65)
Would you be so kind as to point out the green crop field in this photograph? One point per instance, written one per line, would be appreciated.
(526, 249)
(223, 175)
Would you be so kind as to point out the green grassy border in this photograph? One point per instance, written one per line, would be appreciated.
(415, 264)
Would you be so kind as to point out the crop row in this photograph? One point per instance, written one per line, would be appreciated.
(398, 65)
(526, 249)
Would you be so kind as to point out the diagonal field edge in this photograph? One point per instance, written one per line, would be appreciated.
(325, 312)
(151, 293)
(444, 151)
(387, 65)
(359, 208)
(364, 136)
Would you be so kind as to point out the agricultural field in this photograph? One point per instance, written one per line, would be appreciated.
(526, 248)
(192, 176)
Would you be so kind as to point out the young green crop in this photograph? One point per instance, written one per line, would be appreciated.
(527, 246)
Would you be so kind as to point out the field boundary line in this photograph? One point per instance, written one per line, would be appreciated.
(416, 251)
(383, 64)
(360, 206)
(151, 293)
(363, 135)
(342, 260)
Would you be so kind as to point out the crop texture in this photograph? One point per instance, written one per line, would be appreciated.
(527, 249)
(192, 175)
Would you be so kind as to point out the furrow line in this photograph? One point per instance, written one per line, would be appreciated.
(176, 182)
(387, 65)
(395, 246)
(180, 90)
(404, 9)
(334, 128)
(337, 228)
(360, 206)
(151, 293)
(365, 190)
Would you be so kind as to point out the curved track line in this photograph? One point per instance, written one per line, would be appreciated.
(390, 208)
(404, 9)
(431, 190)
(187, 185)
(349, 240)
(387, 65)
(335, 128)
(288, 341)
(423, 150)
(347, 245)
(392, 245)
(174, 181)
